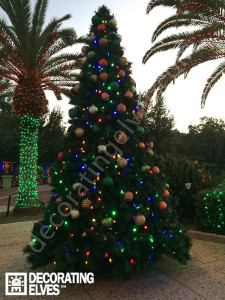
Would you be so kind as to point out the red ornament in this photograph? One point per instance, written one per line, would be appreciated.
(58, 200)
(128, 196)
(166, 193)
(162, 205)
(60, 155)
(155, 170)
(122, 137)
(103, 42)
(128, 95)
(141, 145)
(103, 76)
(140, 116)
(101, 27)
(121, 107)
(105, 96)
(103, 62)
(121, 73)
(86, 203)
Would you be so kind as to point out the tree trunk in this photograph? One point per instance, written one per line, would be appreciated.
(28, 195)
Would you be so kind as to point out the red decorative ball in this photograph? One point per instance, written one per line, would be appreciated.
(103, 42)
(86, 203)
(155, 170)
(122, 137)
(103, 62)
(60, 155)
(128, 95)
(166, 193)
(128, 196)
(121, 107)
(121, 73)
(140, 116)
(101, 27)
(105, 96)
(141, 145)
(103, 76)
(162, 205)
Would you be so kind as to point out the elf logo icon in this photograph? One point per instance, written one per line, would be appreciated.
(15, 284)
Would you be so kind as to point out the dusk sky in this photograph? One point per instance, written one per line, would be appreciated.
(136, 28)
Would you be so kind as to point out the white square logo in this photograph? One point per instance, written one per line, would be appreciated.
(15, 284)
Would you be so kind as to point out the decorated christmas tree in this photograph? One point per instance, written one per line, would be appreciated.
(110, 212)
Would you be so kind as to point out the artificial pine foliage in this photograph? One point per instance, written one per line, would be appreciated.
(111, 213)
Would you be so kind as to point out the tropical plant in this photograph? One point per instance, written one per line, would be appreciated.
(208, 40)
(28, 66)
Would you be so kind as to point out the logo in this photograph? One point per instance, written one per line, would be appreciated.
(16, 284)
(40, 284)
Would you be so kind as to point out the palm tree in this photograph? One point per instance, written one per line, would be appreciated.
(28, 66)
(208, 40)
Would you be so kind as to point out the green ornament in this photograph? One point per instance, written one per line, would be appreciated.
(107, 222)
(114, 86)
(95, 19)
(95, 128)
(72, 113)
(140, 130)
(107, 181)
(116, 42)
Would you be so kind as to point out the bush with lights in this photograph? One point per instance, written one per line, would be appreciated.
(111, 211)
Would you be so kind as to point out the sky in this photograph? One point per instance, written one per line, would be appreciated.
(182, 98)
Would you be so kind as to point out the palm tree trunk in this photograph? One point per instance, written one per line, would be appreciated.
(28, 195)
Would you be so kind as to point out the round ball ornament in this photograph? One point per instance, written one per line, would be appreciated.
(83, 60)
(86, 203)
(141, 145)
(72, 113)
(84, 49)
(94, 78)
(140, 130)
(76, 186)
(122, 137)
(119, 36)
(91, 54)
(122, 162)
(74, 214)
(105, 96)
(150, 152)
(140, 116)
(103, 76)
(113, 22)
(92, 37)
(166, 193)
(128, 196)
(60, 155)
(145, 168)
(101, 27)
(140, 220)
(103, 62)
(103, 41)
(133, 81)
(101, 149)
(133, 89)
(107, 181)
(58, 200)
(107, 222)
(155, 170)
(121, 107)
(121, 73)
(151, 145)
(114, 86)
(79, 132)
(76, 88)
(93, 110)
(123, 61)
(162, 205)
(128, 95)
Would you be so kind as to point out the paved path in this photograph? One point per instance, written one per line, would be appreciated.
(44, 193)
(202, 278)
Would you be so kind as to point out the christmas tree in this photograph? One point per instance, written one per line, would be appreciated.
(110, 212)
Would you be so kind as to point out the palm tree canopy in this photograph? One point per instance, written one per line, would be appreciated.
(208, 40)
(29, 53)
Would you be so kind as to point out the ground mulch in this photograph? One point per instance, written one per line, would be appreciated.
(14, 219)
